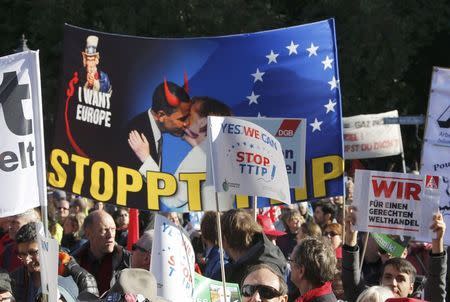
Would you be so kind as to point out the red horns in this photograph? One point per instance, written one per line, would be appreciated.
(186, 84)
(170, 97)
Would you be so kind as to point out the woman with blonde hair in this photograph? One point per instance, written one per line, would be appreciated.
(375, 294)
(73, 233)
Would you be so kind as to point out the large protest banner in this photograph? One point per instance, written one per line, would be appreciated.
(122, 131)
(436, 144)
(255, 159)
(366, 136)
(395, 203)
(22, 160)
(173, 260)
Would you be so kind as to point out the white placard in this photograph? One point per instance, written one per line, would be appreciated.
(395, 203)
(436, 144)
(366, 136)
(22, 160)
(48, 260)
(291, 133)
(246, 159)
(173, 261)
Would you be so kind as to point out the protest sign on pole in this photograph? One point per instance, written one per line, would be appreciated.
(173, 259)
(436, 144)
(291, 133)
(22, 159)
(395, 203)
(48, 263)
(100, 110)
(255, 161)
(366, 136)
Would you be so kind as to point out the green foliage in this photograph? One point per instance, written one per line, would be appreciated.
(386, 47)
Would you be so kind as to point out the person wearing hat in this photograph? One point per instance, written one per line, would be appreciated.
(135, 283)
(95, 79)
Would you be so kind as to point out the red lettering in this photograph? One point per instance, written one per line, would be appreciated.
(399, 190)
(249, 157)
(240, 156)
(251, 132)
(381, 187)
(172, 260)
(350, 137)
(412, 190)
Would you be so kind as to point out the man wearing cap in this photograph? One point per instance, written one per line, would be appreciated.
(95, 79)
(142, 249)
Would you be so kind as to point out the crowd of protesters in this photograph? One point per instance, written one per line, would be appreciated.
(304, 252)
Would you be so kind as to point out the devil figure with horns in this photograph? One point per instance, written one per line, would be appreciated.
(169, 113)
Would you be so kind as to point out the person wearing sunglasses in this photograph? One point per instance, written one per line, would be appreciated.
(142, 250)
(263, 283)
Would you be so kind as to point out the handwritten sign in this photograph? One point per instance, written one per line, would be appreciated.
(173, 261)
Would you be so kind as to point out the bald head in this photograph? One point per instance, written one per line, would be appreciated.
(19, 220)
(100, 230)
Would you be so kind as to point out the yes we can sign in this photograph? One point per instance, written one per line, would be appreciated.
(396, 203)
(246, 159)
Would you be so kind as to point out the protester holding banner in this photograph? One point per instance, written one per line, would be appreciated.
(27, 278)
(397, 273)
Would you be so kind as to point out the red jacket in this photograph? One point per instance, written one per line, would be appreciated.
(318, 294)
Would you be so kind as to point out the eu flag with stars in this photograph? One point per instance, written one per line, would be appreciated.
(289, 72)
